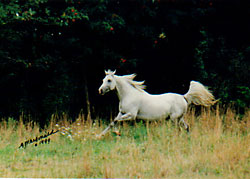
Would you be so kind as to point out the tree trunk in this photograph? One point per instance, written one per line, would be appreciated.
(87, 100)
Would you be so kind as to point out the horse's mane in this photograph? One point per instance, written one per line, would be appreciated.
(139, 85)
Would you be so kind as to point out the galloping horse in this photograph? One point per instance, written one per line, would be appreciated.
(135, 102)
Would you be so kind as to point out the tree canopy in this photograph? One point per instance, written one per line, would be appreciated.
(50, 50)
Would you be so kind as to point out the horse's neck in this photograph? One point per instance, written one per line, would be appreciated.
(123, 88)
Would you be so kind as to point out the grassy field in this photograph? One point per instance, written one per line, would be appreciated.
(218, 146)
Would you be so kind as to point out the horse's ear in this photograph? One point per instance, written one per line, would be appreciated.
(109, 72)
(113, 72)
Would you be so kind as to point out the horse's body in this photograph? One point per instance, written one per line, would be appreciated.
(137, 103)
(161, 106)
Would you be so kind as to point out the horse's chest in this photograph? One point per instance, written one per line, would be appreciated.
(127, 106)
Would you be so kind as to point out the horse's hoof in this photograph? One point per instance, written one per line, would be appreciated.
(117, 133)
(98, 137)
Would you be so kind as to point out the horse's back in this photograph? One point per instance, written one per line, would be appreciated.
(172, 98)
(161, 106)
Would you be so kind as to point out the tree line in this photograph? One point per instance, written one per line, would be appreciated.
(53, 53)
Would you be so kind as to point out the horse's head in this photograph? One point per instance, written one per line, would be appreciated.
(108, 82)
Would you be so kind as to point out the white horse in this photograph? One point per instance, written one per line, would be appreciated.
(135, 102)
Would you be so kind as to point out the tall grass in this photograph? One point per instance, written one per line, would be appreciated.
(217, 146)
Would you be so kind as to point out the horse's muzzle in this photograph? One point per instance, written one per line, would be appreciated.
(101, 92)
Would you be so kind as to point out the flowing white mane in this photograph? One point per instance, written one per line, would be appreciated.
(139, 85)
(136, 84)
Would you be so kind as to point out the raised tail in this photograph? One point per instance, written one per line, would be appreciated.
(199, 95)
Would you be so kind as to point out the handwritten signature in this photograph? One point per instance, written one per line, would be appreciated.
(43, 139)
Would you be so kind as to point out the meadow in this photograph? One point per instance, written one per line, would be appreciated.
(216, 147)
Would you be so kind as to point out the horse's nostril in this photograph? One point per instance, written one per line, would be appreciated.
(100, 91)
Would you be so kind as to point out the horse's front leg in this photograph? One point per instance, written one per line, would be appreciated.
(110, 125)
(125, 117)
(120, 117)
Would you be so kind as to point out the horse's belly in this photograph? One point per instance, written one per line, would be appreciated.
(151, 117)
(153, 111)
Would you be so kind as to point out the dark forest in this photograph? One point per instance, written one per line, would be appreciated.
(53, 53)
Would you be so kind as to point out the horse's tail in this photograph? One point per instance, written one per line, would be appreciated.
(199, 95)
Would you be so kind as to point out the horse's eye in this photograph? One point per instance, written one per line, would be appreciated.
(109, 81)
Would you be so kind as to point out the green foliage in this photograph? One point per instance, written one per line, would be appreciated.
(201, 55)
(244, 96)
(224, 67)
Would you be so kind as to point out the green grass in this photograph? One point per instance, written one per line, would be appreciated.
(213, 149)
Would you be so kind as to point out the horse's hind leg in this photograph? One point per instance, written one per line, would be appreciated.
(181, 121)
